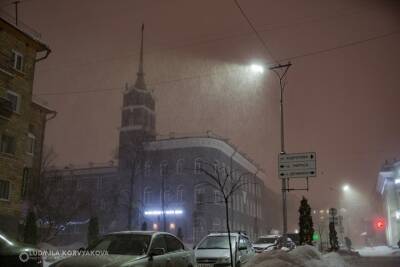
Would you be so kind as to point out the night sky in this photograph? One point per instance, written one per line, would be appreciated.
(341, 101)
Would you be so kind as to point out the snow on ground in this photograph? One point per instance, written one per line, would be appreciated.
(302, 256)
(378, 251)
(56, 251)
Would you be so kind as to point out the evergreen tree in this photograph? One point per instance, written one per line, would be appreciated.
(305, 223)
(180, 234)
(333, 240)
(93, 231)
(30, 230)
(144, 226)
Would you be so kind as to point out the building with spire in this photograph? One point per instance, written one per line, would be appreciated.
(159, 184)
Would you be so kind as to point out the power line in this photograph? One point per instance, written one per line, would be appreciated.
(217, 73)
(254, 30)
(340, 46)
(303, 20)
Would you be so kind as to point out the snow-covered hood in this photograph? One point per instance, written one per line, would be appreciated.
(211, 253)
(262, 245)
(97, 261)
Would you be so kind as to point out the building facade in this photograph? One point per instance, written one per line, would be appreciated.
(160, 183)
(22, 121)
(388, 187)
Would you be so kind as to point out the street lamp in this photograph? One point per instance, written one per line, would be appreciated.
(256, 68)
(346, 188)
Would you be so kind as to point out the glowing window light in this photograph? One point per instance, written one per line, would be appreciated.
(397, 181)
(172, 226)
(155, 226)
(160, 212)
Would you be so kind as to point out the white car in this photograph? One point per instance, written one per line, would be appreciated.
(265, 243)
(213, 250)
(131, 249)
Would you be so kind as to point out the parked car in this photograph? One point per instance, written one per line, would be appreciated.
(213, 250)
(265, 243)
(13, 253)
(133, 248)
(288, 246)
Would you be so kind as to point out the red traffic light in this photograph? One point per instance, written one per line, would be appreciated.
(379, 224)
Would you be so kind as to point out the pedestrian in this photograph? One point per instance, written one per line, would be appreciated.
(348, 243)
(398, 243)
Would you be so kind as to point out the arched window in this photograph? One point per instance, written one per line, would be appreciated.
(199, 194)
(147, 168)
(163, 168)
(197, 166)
(167, 195)
(179, 166)
(147, 195)
(179, 193)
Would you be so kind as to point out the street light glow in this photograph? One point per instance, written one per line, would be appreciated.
(257, 68)
(346, 188)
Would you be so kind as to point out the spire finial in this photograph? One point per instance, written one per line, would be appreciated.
(140, 74)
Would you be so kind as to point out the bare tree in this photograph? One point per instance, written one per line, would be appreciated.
(226, 181)
(55, 197)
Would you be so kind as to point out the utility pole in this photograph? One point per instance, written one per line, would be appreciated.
(281, 76)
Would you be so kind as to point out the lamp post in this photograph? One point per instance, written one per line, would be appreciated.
(281, 76)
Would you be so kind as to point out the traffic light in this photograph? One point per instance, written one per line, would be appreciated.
(379, 224)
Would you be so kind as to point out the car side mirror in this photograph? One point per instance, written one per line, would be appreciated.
(156, 252)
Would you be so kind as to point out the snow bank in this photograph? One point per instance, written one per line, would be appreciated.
(302, 256)
(378, 251)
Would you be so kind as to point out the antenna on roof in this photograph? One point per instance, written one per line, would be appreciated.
(16, 11)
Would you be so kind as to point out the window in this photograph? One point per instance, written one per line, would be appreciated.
(179, 166)
(179, 193)
(159, 242)
(173, 244)
(25, 179)
(147, 195)
(167, 196)
(197, 166)
(147, 168)
(14, 98)
(4, 189)
(18, 61)
(31, 144)
(198, 195)
(163, 168)
(7, 144)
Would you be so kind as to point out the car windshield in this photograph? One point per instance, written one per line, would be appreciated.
(130, 244)
(216, 242)
(266, 240)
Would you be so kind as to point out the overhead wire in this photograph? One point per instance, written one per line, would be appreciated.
(300, 56)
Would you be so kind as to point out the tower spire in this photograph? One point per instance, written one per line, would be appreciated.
(140, 74)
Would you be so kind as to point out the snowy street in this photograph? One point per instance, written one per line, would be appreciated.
(375, 262)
